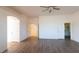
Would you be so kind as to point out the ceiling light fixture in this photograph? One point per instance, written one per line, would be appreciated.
(50, 9)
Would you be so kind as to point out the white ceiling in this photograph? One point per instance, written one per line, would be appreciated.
(37, 10)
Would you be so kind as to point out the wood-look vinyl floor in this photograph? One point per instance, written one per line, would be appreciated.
(44, 46)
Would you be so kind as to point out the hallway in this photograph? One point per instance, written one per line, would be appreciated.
(33, 45)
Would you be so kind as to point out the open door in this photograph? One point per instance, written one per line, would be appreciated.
(13, 29)
(67, 31)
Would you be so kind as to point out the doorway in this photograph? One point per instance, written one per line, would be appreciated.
(67, 31)
(33, 31)
(13, 29)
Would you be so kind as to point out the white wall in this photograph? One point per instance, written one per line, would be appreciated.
(23, 21)
(3, 31)
(4, 12)
(23, 27)
(52, 27)
(75, 29)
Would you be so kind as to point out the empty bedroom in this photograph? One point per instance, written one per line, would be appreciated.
(39, 29)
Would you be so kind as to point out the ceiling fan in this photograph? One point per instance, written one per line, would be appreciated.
(50, 8)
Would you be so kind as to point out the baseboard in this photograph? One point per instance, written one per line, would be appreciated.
(29, 38)
(52, 38)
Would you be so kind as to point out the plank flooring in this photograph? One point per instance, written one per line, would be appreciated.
(43, 46)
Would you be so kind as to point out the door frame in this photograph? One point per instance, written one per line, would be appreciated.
(69, 35)
(15, 19)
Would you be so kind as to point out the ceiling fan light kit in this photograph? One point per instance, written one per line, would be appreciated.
(50, 9)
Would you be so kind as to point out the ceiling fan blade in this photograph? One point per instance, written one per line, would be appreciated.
(56, 8)
(44, 6)
(45, 10)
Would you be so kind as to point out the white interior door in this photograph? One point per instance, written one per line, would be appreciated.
(13, 29)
